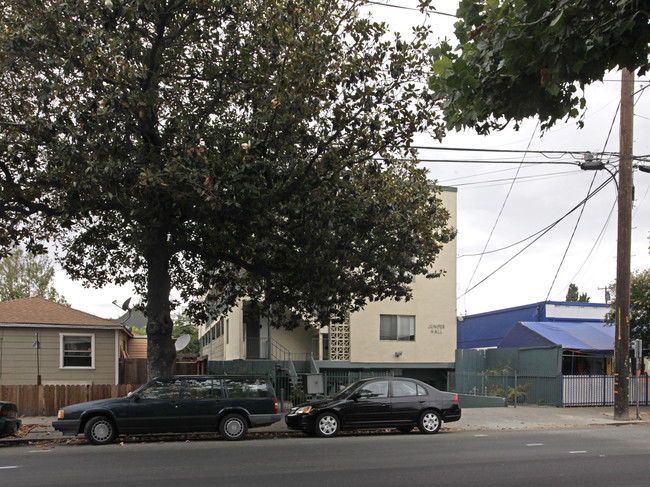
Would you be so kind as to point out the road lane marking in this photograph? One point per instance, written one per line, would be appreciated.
(480, 435)
(8, 467)
(535, 444)
(578, 451)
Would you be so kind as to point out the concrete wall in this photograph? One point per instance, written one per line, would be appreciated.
(18, 358)
(297, 340)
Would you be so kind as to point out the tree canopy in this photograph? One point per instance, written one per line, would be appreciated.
(23, 275)
(226, 149)
(517, 59)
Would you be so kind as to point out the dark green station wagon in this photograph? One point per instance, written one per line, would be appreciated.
(178, 404)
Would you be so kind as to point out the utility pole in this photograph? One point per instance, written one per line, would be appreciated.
(623, 253)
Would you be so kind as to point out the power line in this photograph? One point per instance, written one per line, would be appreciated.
(540, 235)
(602, 232)
(401, 7)
(494, 161)
(597, 242)
(523, 179)
(500, 213)
(579, 154)
(545, 229)
(575, 229)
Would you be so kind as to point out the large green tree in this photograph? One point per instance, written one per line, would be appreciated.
(521, 58)
(23, 275)
(639, 306)
(224, 148)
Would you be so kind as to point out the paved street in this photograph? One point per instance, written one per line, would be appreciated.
(596, 455)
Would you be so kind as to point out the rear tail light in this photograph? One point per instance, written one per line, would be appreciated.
(4, 412)
(276, 405)
(456, 400)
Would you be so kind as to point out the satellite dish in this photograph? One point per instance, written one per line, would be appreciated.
(182, 342)
(125, 304)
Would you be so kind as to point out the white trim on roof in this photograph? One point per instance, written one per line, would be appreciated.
(62, 325)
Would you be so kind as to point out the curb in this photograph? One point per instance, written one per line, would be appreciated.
(254, 434)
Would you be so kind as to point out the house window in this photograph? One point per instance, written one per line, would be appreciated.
(397, 327)
(77, 351)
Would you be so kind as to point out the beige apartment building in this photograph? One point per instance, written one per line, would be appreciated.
(415, 338)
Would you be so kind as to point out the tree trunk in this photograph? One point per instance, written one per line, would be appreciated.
(161, 353)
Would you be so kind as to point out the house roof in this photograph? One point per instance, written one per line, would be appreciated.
(570, 335)
(39, 311)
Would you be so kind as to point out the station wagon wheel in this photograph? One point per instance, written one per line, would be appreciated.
(233, 427)
(100, 431)
(429, 422)
(327, 425)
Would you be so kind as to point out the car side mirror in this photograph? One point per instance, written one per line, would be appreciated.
(355, 397)
(135, 397)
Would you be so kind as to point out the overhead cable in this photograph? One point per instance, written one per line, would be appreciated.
(538, 234)
(469, 283)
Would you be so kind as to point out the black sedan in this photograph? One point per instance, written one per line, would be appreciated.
(377, 403)
(9, 422)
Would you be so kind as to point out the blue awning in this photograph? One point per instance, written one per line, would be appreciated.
(570, 335)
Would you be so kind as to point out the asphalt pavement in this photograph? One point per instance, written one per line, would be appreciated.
(473, 419)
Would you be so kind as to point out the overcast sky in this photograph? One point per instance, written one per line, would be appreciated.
(501, 204)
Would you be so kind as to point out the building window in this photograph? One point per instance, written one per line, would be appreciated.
(77, 351)
(397, 327)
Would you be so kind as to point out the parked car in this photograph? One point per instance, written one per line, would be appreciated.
(377, 403)
(227, 404)
(9, 422)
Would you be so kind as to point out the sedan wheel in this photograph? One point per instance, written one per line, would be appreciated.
(99, 431)
(233, 427)
(429, 422)
(327, 425)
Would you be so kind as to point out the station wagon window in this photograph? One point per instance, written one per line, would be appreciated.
(247, 387)
(199, 388)
(162, 389)
(372, 390)
(77, 351)
(397, 327)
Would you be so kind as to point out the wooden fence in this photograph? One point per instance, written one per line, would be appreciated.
(46, 400)
(134, 370)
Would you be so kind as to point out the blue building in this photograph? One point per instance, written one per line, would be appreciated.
(579, 328)
(486, 330)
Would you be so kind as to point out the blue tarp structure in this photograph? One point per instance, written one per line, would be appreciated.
(571, 335)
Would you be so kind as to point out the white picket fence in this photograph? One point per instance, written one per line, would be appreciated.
(598, 390)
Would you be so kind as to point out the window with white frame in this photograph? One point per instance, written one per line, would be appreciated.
(77, 350)
(397, 327)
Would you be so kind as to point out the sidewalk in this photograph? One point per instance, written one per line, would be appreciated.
(473, 419)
